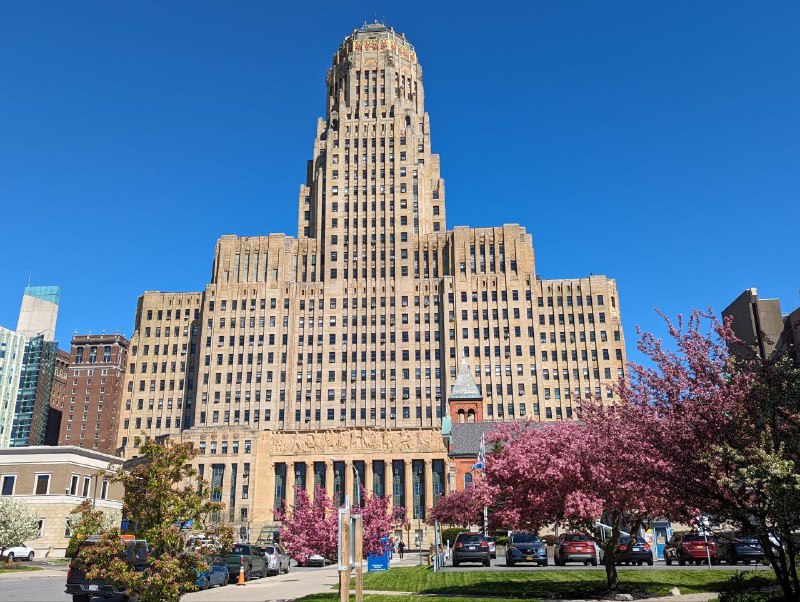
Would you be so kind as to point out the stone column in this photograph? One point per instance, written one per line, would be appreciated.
(329, 478)
(428, 476)
(368, 477)
(409, 488)
(289, 485)
(349, 479)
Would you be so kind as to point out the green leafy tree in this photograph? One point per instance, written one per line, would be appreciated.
(18, 523)
(162, 493)
(86, 519)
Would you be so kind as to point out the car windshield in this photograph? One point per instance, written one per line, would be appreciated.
(525, 538)
(694, 537)
(470, 538)
(576, 537)
(625, 539)
(269, 549)
(237, 549)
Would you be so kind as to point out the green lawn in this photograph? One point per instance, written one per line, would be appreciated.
(536, 584)
(17, 568)
(385, 598)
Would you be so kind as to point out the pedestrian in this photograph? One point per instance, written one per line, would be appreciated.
(400, 547)
(391, 547)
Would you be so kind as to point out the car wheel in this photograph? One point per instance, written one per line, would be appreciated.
(288, 565)
(204, 584)
(10, 557)
(81, 598)
(746, 560)
(487, 562)
(30, 556)
(594, 561)
(650, 562)
(509, 562)
(668, 560)
(456, 562)
(682, 561)
(714, 560)
(640, 562)
(543, 563)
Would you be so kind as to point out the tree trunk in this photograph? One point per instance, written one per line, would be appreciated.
(611, 568)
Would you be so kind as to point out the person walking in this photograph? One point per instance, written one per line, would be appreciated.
(400, 547)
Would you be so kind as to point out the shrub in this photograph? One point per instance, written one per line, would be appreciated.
(749, 587)
(451, 533)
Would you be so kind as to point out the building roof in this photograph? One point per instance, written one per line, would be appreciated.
(466, 437)
(465, 388)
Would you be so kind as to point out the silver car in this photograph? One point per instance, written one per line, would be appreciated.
(276, 558)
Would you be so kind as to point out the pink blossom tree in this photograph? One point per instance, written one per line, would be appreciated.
(310, 527)
(574, 473)
(461, 508)
(377, 520)
(729, 433)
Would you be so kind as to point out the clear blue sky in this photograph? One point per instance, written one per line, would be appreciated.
(657, 143)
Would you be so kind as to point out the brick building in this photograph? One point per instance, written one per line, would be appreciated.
(333, 353)
(95, 384)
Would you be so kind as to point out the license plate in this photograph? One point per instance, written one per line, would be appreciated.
(94, 588)
(472, 547)
(637, 549)
(529, 558)
(579, 548)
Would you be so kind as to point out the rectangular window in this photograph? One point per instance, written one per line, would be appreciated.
(8, 484)
(42, 484)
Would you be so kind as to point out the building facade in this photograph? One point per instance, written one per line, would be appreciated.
(53, 481)
(762, 327)
(95, 380)
(38, 312)
(327, 351)
(58, 397)
(12, 350)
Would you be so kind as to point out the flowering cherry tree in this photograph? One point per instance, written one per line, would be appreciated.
(377, 520)
(461, 508)
(310, 527)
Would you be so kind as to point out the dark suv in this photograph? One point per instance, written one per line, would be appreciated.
(526, 547)
(83, 589)
(733, 547)
(471, 547)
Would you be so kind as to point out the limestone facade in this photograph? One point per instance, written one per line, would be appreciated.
(344, 341)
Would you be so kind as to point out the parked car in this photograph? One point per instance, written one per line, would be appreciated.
(21, 552)
(216, 574)
(574, 547)
(83, 590)
(244, 555)
(526, 547)
(277, 559)
(690, 547)
(492, 546)
(640, 553)
(471, 547)
(733, 547)
(317, 560)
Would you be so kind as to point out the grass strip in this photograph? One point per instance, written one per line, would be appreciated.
(530, 584)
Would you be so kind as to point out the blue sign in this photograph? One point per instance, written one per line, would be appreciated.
(377, 562)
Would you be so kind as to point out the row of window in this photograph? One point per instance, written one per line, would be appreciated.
(83, 486)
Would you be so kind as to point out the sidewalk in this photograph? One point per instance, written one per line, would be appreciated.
(42, 574)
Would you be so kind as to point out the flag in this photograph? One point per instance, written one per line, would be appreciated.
(481, 463)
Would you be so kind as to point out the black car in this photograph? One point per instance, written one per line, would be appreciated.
(640, 552)
(471, 547)
(733, 547)
(526, 547)
(83, 590)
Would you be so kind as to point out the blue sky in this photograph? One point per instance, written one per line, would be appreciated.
(657, 143)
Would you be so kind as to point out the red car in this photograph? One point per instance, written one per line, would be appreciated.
(691, 547)
(574, 547)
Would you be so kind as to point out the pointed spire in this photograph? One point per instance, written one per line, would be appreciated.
(465, 388)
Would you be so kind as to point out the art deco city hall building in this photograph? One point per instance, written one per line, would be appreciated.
(317, 358)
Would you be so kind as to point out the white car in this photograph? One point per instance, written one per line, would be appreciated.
(18, 553)
(316, 560)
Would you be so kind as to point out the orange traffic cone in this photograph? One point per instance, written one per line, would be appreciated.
(241, 573)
